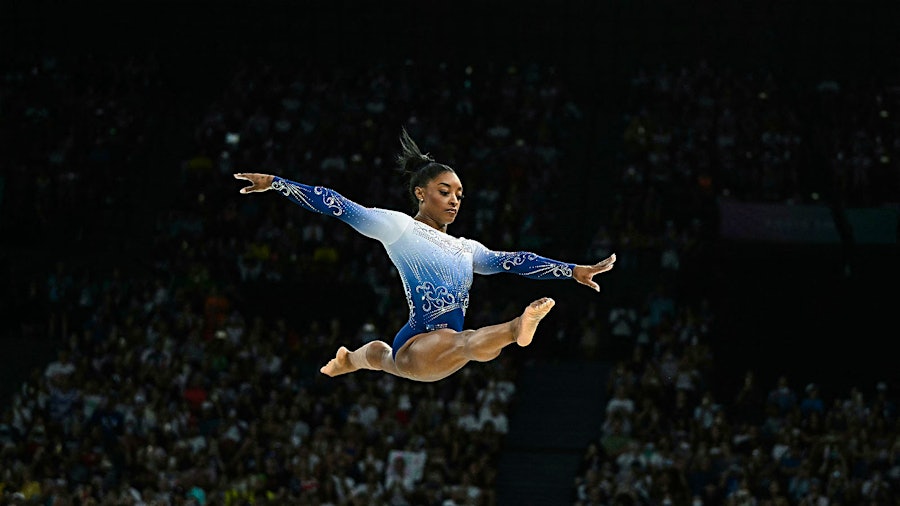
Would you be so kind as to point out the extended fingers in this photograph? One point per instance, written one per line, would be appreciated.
(589, 282)
(605, 264)
(254, 186)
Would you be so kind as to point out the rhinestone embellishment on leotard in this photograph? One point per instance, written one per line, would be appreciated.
(515, 259)
(329, 197)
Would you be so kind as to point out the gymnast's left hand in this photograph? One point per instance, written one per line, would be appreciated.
(584, 274)
(260, 182)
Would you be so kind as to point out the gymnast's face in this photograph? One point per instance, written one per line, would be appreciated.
(439, 200)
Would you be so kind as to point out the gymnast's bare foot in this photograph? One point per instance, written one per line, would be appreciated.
(340, 364)
(530, 318)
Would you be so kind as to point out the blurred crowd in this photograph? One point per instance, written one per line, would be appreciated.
(189, 374)
(78, 132)
(672, 435)
(758, 136)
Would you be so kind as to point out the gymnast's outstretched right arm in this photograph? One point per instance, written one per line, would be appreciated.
(381, 224)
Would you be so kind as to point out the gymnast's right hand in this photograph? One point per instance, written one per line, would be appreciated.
(260, 182)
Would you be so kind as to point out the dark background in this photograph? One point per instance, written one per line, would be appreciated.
(780, 307)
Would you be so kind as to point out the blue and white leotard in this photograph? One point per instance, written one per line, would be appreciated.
(436, 269)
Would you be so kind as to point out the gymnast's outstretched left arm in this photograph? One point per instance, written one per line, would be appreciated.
(535, 266)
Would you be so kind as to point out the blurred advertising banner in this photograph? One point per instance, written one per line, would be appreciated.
(804, 224)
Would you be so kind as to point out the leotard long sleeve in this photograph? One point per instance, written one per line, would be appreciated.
(436, 269)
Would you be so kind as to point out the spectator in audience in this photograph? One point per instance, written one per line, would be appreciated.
(620, 403)
(783, 396)
(812, 402)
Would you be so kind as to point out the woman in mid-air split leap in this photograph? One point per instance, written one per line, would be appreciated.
(436, 270)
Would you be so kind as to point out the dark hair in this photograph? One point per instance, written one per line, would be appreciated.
(420, 168)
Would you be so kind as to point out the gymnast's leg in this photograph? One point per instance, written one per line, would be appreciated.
(484, 344)
(373, 356)
(440, 353)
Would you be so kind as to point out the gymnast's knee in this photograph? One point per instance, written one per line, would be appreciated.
(377, 349)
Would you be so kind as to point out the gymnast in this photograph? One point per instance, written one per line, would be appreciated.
(436, 270)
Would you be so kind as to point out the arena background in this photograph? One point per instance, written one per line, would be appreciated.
(774, 295)
(781, 305)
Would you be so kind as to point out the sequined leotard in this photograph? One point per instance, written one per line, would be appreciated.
(436, 269)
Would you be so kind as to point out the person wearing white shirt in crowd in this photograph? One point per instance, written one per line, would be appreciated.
(620, 402)
(468, 420)
(493, 413)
